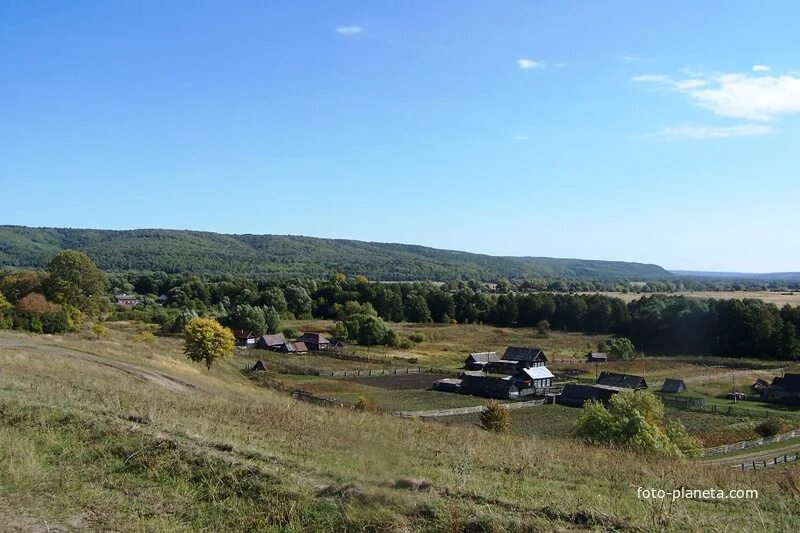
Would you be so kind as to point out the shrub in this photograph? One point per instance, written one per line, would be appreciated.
(55, 323)
(144, 336)
(35, 325)
(543, 327)
(495, 418)
(769, 427)
(417, 336)
(290, 333)
(406, 344)
(99, 330)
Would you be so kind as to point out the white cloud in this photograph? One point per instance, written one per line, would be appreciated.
(702, 132)
(527, 64)
(736, 95)
(761, 68)
(349, 30)
(633, 58)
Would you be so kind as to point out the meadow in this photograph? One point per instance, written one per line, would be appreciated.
(114, 434)
(779, 298)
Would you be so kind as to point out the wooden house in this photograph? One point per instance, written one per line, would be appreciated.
(538, 377)
(315, 341)
(489, 387)
(503, 367)
(477, 361)
(525, 356)
(127, 300)
(673, 386)
(784, 389)
(576, 394)
(244, 338)
(759, 385)
(597, 357)
(271, 342)
(447, 385)
(624, 381)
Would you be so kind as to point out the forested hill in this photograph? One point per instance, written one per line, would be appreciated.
(213, 253)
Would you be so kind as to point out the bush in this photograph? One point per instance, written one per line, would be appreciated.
(406, 344)
(144, 336)
(769, 428)
(290, 333)
(416, 337)
(55, 323)
(495, 418)
(35, 325)
(99, 330)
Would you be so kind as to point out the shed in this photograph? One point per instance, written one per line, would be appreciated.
(673, 386)
(759, 385)
(625, 381)
(597, 357)
(447, 385)
(259, 367)
(476, 361)
(489, 387)
(315, 341)
(576, 394)
(526, 356)
(271, 342)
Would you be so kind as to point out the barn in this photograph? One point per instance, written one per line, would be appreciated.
(624, 381)
(784, 389)
(477, 361)
(315, 341)
(576, 394)
(673, 386)
(597, 357)
(271, 342)
(525, 356)
(489, 387)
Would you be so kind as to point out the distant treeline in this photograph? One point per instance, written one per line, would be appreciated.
(657, 323)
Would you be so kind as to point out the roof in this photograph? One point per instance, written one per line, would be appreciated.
(478, 373)
(788, 382)
(598, 355)
(537, 372)
(673, 385)
(273, 340)
(300, 346)
(242, 334)
(314, 338)
(524, 353)
(487, 386)
(578, 393)
(626, 381)
(126, 297)
(449, 381)
(484, 357)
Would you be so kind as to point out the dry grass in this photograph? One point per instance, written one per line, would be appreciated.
(779, 298)
(505, 481)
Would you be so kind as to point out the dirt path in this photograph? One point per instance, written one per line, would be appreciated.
(156, 378)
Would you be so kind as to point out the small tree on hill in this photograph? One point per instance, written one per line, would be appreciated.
(621, 349)
(495, 418)
(99, 330)
(205, 340)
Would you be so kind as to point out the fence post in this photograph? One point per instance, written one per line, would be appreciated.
(754, 465)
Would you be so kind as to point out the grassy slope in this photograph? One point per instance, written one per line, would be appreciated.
(229, 455)
(203, 252)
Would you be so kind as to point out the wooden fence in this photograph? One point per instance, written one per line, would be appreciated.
(767, 463)
(465, 410)
(746, 444)
(377, 372)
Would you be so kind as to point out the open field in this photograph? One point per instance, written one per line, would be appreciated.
(779, 298)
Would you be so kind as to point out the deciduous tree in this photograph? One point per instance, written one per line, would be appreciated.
(205, 340)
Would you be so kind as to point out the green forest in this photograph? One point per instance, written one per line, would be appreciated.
(179, 251)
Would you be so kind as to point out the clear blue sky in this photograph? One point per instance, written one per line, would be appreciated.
(609, 130)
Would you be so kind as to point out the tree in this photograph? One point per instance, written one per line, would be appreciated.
(340, 331)
(205, 340)
(75, 280)
(5, 312)
(621, 349)
(248, 318)
(99, 330)
(635, 420)
(495, 417)
(35, 304)
(298, 301)
(416, 309)
(272, 320)
(543, 328)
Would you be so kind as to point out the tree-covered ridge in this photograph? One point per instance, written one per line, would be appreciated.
(199, 252)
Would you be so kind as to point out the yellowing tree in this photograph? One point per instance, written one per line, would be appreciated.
(205, 340)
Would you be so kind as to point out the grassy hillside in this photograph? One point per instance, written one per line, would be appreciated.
(116, 435)
(212, 253)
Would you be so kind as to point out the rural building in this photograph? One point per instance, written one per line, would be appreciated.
(477, 361)
(127, 300)
(447, 385)
(576, 394)
(259, 367)
(784, 389)
(294, 348)
(335, 344)
(625, 381)
(673, 386)
(315, 341)
(526, 356)
(759, 385)
(244, 338)
(271, 342)
(538, 377)
(503, 367)
(597, 357)
(489, 387)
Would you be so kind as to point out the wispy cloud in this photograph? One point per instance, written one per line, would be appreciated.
(527, 64)
(761, 68)
(349, 30)
(736, 95)
(704, 132)
(633, 58)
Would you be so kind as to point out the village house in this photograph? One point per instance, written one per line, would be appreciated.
(315, 341)
(784, 389)
(127, 300)
(525, 356)
(477, 361)
(294, 348)
(597, 357)
(502, 367)
(538, 377)
(576, 394)
(673, 386)
(271, 342)
(624, 381)
(759, 385)
(244, 338)
(489, 387)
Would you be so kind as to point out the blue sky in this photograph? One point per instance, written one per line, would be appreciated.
(609, 130)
